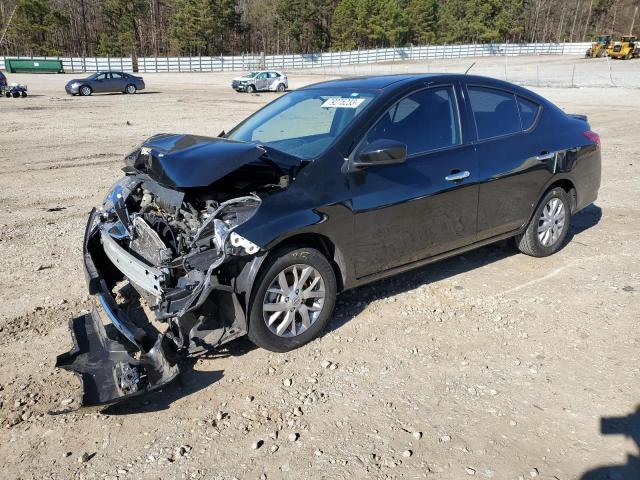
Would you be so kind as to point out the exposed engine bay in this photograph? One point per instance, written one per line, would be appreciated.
(164, 260)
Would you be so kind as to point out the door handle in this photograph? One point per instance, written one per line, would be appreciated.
(543, 157)
(457, 176)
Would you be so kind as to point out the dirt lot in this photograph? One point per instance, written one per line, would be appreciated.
(491, 364)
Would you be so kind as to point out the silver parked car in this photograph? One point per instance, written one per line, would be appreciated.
(261, 80)
(103, 82)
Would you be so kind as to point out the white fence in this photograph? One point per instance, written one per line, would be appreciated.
(312, 60)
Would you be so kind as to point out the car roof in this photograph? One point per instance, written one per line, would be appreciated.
(391, 82)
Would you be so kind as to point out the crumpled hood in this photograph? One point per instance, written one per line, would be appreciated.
(189, 161)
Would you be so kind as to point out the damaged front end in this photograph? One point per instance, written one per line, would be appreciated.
(162, 256)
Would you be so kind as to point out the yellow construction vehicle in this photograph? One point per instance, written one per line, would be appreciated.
(599, 47)
(626, 48)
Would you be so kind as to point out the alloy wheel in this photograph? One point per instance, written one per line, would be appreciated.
(294, 300)
(551, 222)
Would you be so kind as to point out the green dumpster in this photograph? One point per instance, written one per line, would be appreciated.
(15, 65)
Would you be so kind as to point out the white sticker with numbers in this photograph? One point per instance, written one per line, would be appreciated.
(341, 102)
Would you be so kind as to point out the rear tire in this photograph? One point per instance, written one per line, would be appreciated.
(281, 88)
(23, 94)
(548, 228)
(131, 89)
(85, 91)
(292, 263)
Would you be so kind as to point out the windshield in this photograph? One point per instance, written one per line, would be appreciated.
(303, 123)
(92, 76)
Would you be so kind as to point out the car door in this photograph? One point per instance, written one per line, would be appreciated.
(99, 84)
(426, 205)
(118, 82)
(271, 80)
(513, 159)
(262, 81)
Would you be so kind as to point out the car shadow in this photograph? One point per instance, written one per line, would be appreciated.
(349, 305)
(108, 94)
(585, 219)
(353, 302)
(629, 426)
(188, 382)
(29, 95)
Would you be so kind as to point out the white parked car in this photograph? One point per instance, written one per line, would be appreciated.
(261, 80)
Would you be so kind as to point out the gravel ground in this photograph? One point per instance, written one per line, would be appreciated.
(491, 364)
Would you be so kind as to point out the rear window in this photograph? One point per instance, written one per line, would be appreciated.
(528, 112)
(495, 112)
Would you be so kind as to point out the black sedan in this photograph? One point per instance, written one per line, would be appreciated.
(326, 188)
(105, 82)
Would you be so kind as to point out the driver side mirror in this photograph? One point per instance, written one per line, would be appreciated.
(380, 152)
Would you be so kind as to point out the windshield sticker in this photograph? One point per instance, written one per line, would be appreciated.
(341, 102)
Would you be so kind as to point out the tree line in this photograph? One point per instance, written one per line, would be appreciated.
(216, 27)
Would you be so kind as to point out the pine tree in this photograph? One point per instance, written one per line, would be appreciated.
(121, 36)
(34, 23)
(423, 21)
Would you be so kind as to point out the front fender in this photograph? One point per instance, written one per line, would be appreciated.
(332, 225)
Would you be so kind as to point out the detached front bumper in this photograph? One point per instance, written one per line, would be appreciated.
(114, 361)
(107, 368)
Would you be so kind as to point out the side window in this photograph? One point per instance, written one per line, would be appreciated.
(102, 76)
(273, 75)
(262, 76)
(116, 76)
(424, 121)
(495, 112)
(528, 112)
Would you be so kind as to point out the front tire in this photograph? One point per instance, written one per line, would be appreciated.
(548, 228)
(85, 91)
(251, 89)
(292, 300)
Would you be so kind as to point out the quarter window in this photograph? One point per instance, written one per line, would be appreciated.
(424, 121)
(528, 112)
(495, 112)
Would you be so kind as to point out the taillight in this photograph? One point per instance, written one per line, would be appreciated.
(593, 136)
